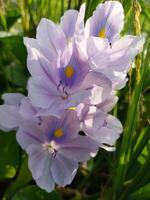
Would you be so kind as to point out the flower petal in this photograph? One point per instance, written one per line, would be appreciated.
(72, 23)
(124, 51)
(94, 78)
(63, 170)
(111, 132)
(99, 85)
(42, 91)
(26, 110)
(29, 133)
(59, 105)
(78, 97)
(38, 159)
(79, 149)
(40, 60)
(108, 17)
(46, 180)
(56, 109)
(94, 119)
(114, 62)
(9, 117)
(119, 57)
(68, 22)
(108, 104)
(12, 98)
(50, 35)
(79, 29)
(106, 133)
(66, 122)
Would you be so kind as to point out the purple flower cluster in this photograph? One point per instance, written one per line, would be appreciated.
(75, 70)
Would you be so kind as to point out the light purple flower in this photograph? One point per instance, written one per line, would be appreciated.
(16, 109)
(66, 84)
(106, 51)
(107, 105)
(71, 66)
(54, 149)
(53, 40)
(72, 24)
(9, 112)
(106, 22)
(101, 127)
(114, 62)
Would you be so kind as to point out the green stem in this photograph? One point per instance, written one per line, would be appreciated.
(140, 179)
(143, 140)
(137, 29)
(130, 126)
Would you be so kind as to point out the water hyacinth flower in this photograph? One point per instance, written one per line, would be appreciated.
(72, 24)
(66, 84)
(55, 148)
(101, 127)
(16, 109)
(53, 40)
(61, 75)
(106, 22)
(114, 62)
(9, 112)
(71, 66)
(107, 52)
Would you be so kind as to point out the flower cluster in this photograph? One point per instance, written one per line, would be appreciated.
(75, 70)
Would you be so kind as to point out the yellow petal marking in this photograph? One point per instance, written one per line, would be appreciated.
(58, 133)
(69, 71)
(72, 108)
(102, 33)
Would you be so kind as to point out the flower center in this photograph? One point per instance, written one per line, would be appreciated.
(69, 71)
(58, 133)
(48, 147)
(102, 33)
(62, 90)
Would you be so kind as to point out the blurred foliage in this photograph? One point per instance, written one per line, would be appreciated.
(120, 175)
(8, 162)
(32, 192)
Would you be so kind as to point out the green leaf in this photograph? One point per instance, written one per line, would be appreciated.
(140, 147)
(15, 61)
(144, 154)
(33, 192)
(147, 79)
(15, 74)
(9, 155)
(14, 43)
(141, 194)
(127, 5)
(130, 127)
(23, 178)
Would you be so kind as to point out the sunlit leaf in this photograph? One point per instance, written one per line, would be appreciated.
(141, 194)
